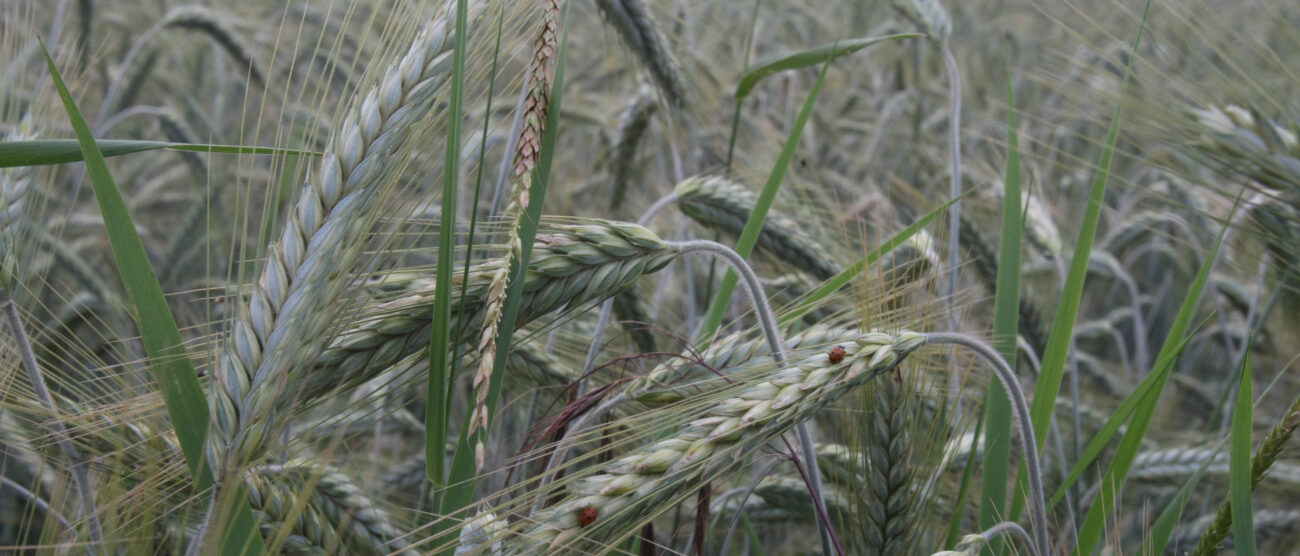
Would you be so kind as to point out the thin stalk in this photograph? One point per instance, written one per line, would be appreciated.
(740, 507)
(735, 117)
(780, 354)
(561, 452)
(607, 306)
(37, 501)
(1020, 408)
(1009, 528)
(954, 189)
(76, 464)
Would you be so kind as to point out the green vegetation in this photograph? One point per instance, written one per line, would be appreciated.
(493, 277)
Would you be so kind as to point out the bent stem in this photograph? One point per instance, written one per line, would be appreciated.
(780, 354)
(76, 464)
(1020, 407)
(607, 307)
(972, 544)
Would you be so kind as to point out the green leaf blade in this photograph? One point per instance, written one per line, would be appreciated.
(1239, 468)
(187, 406)
(1006, 327)
(810, 57)
(63, 151)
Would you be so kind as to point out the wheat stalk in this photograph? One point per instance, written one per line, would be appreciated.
(528, 149)
(77, 464)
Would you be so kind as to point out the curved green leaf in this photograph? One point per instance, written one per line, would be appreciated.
(805, 58)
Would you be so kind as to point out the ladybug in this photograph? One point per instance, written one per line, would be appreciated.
(587, 516)
(836, 355)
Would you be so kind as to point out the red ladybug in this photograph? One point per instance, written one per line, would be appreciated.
(836, 355)
(587, 516)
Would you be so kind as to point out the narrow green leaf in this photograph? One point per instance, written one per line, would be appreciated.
(1117, 419)
(852, 271)
(1058, 343)
(754, 225)
(62, 151)
(170, 364)
(1113, 480)
(435, 417)
(805, 58)
(460, 485)
(1006, 326)
(1239, 466)
(1163, 528)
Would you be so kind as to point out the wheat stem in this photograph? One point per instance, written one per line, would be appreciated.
(740, 507)
(973, 544)
(608, 306)
(780, 353)
(1020, 407)
(37, 501)
(76, 463)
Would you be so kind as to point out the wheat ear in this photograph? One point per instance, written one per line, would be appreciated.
(640, 483)
(571, 265)
(338, 505)
(195, 17)
(534, 110)
(638, 30)
(724, 205)
(280, 321)
(889, 471)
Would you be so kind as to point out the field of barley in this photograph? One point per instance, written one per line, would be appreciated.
(649, 277)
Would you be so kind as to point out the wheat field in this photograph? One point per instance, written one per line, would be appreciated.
(649, 277)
